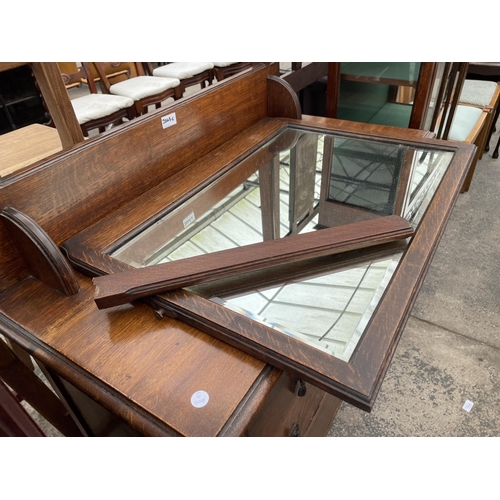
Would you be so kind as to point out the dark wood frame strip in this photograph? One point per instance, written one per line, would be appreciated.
(117, 289)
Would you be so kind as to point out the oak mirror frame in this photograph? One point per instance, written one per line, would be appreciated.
(357, 380)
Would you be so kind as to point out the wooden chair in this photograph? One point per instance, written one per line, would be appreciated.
(145, 90)
(188, 73)
(14, 419)
(225, 69)
(459, 122)
(117, 72)
(95, 110)
(485, 95)
(27, 386)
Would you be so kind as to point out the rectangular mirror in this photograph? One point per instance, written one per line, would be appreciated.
(320, 318)
(320, 181)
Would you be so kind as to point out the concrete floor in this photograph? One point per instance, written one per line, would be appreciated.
(449, 352)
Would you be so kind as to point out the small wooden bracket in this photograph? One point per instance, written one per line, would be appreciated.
(282, 101)
(40, 254)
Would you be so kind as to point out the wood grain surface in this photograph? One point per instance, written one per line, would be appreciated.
(113, 290)
(26, 146)
(142, 368)
(353, 381)
(42, 257)
(71, 191)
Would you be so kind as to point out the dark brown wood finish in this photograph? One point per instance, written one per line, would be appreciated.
(110, 232)
(14, 420)
(423, 94)
(332, 98)
(285, 273)
(282, 100)
(222, 72)
(143, 369)
(42, 257)
(140, 368)
(359, 380)
(301, 77)
(127, 286)
(58, 103)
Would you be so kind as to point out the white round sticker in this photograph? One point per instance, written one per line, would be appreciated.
(199, 399)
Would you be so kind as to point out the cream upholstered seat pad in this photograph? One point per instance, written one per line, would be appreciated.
(477, 92)
(182, 70)
(140, 87)
(464, 120)
(223, 64)
(94, 106)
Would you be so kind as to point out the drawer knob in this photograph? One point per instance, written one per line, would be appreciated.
(295, 431)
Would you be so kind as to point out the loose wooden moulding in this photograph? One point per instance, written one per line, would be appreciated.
(117, 289)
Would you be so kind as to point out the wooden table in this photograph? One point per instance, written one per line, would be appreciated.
(26, 146)
(484, 70)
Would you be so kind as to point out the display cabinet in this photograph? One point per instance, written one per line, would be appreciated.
(401, 94)
(383, 93)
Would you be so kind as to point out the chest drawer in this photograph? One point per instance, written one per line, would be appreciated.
(295, 408)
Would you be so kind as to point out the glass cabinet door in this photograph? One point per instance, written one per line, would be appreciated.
(378, 92)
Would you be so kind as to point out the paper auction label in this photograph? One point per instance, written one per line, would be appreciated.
(188, 220)
(199, 399)
(168, 120)
(468, 405)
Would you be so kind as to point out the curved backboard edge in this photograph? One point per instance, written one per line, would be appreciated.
(40, 254)
(282, 101)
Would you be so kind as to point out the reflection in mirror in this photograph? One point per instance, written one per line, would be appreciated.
(362, 180)
(328, 311)
(317, 181)
(378, 92)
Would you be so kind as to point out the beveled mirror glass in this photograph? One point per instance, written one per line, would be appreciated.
(299, 181)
